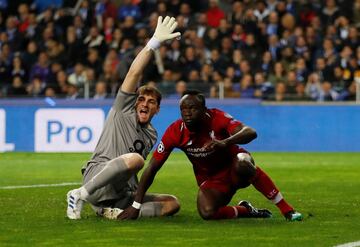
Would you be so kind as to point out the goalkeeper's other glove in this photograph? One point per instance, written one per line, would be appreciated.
(164, 31)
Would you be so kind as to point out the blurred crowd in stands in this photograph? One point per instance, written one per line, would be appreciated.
(267, 49)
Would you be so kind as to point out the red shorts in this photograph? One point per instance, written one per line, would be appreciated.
(223, 181)
(219, 185)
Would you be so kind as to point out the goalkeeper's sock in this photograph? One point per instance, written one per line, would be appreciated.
(230, 212)
(263, 183)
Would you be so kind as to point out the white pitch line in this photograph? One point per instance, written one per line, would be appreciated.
(352, 244)
(36, 186)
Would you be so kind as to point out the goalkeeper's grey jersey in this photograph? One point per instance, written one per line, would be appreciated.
(122, 132)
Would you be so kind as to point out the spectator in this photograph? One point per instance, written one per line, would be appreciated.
(261, 12)
(42, 5)
(72, 92)
(104, 9)
(18, 69)
(247, 89)
(313, 86)
(86, 13)
(41, 69)
(323, 70)
(93, 61)
(302, 36)
(36, 87)
(108, 29)
(349, 94)
(327, 93)
(180, 88)
(212, 40)
(185, 12)
(128, 9)
(266, 63)
(50, 92)
(263, 88)
(54, 69)
(109, 76)
(17, 88)
(280, 92)
(100, 90)
(338, 82)
(116, 40)
(95, 40)
(301, 70)
(128, 28)
(61, 82)
(329, 13)
(77, 77)
(356, 13)
(189, 61)
(214, 14)
(300, 94)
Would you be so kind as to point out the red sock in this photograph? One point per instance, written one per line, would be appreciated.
(263, 183)
(230, 212)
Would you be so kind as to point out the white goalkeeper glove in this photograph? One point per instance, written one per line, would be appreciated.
(164, 31)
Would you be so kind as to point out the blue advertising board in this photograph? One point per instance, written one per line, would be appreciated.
(75, 126)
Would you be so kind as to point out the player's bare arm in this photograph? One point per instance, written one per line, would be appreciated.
(241, 135)
(146, 180)
(164, 31)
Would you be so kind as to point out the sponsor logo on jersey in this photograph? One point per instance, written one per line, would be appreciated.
(198, 152)
(161, 147)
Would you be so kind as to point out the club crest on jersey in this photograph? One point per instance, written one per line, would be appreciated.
(160, 147)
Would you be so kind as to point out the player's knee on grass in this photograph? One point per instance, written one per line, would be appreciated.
(171, 206)
(244, 169)
(134, 161)
(207, 211)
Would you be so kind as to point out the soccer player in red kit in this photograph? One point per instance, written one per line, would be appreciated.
(210, 139)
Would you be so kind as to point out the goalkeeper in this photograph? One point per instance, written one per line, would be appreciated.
(109, 177)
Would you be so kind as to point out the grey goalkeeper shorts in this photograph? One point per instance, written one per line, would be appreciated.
(119, 193)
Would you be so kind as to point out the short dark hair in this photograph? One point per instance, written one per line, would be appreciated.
(149, 90)
(196, 93)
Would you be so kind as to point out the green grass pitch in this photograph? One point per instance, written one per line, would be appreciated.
(323, 186)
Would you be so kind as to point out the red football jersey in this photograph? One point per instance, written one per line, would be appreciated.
(206, 165)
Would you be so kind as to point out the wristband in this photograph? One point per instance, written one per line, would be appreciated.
(153, 44)
(136, 205)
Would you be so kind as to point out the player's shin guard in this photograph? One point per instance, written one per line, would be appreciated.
(150, 209)
(263, 183)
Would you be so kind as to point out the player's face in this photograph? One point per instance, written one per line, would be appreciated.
(146, 108)
(192, 112)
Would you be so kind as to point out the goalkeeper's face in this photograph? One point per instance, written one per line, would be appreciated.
(146, 107)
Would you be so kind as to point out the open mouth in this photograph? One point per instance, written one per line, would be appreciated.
(143, 112)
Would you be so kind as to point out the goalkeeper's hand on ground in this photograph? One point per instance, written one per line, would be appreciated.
(164, 31)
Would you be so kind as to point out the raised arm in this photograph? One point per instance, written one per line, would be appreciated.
(164, 31)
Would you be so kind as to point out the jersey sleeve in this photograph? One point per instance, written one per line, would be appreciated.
(168, 142)
(228, 122)
(124, 101)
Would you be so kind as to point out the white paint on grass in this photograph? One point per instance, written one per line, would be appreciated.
(352, 244)
(36, 186)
